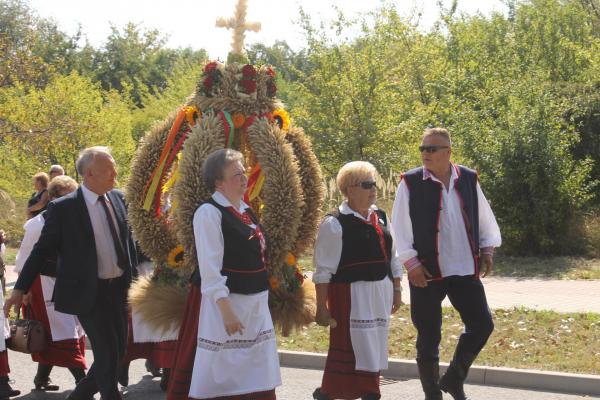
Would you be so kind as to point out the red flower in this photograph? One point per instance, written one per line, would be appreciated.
(248, 85)
(208, 82)
(270, 72)
(248, 71)
(210, 67)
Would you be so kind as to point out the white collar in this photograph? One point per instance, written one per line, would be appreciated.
(222, 201)
(453, 173)
(90, 197)
(345, 209)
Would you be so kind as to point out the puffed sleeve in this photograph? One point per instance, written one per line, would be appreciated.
(328, 249)
(489, 231)
(210, 246)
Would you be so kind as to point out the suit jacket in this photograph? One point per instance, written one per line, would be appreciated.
(68, 234)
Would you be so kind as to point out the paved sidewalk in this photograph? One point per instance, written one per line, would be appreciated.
(298, 384)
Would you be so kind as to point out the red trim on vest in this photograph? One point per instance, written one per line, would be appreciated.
(363, 263)
(247, 219)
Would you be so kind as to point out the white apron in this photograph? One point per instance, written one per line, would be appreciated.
(5, 326)
(371, 306)
(62, 326)
(238, 364)
(142, 332)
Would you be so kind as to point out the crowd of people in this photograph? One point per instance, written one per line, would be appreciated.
(78, 259)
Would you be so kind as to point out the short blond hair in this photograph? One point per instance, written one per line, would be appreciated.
(42, 178)
(354, 173)
(441, 132)
(59, 184)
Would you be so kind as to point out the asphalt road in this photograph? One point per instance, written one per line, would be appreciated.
(298, 384)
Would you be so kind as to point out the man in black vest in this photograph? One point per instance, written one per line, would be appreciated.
(88, 231)
(445, 234)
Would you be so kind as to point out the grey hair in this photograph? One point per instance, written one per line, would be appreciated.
(56, 168)
(215, 163)
(87, 156)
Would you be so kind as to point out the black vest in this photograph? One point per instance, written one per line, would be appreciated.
(362, 258)
(242, 261)
(425, 205)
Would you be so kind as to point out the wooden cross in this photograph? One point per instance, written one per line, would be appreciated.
(239, 26)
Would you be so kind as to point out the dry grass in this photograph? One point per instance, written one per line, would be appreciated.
(522, 338)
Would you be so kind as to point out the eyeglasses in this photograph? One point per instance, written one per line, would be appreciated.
(367, 185)
(431, 149)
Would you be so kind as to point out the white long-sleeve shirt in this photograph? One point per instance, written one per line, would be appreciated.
(210, 246)
(33, 229)
(328, 246)
(455, 255)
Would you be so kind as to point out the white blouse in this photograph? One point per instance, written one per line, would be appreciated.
(328, 246)
(33, 230)
(210, 246)
(455, 256)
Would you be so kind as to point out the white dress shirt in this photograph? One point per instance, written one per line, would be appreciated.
(210, 246)
(105, 247)
(328, 246)
(455, 255)
(33, 229)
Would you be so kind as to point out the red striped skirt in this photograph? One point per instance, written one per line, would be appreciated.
(160, 354)
(68, 353)
(4, 369)
(185, 349)
(340, 379)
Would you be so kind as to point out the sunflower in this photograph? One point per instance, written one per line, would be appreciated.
(192, 114)
(175, 257)
(283, 118)
(291, 259)
(273, 282)
(238, 120)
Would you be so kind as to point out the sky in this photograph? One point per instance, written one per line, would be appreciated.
(191, 23)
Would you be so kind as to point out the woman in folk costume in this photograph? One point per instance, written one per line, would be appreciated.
(236, 354)
(6, 391)
(358, 286)
(66, 338)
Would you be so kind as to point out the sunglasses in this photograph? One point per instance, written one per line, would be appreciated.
(367, 185)
(431, 149)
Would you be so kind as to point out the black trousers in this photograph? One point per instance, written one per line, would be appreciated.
(468, 297)
(106, 327)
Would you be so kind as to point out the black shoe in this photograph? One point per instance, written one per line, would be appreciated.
(164, 379)
(453, 380)
(123, 374)
(45, 385)
(317, 395)
(6, 390)
(152, 369)
(371, 396)
(429, 374)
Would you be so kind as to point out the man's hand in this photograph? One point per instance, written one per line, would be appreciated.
(418, 276)
(15, 299)
(27, 299)
(486, 265)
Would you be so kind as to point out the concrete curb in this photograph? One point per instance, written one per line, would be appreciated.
(507, 377)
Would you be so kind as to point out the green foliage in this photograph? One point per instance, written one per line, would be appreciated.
(51, 125)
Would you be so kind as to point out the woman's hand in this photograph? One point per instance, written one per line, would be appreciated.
(323, 316)
(397, 301)
(230, 320)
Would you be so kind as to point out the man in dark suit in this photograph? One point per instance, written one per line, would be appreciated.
(88, 231)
